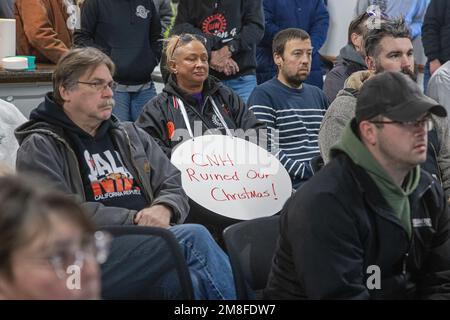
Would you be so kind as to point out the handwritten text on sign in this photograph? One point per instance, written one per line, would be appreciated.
(232, 177)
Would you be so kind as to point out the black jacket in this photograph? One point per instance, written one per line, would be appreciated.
(338, 225)
(129, 31)
(223, 22)
(159, 111)
(436, 31)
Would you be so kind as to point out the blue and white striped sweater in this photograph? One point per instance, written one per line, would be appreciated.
(294, 115)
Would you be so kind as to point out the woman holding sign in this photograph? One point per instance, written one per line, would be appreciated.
(192, 101)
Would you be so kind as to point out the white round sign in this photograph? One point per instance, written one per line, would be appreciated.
(232, 177)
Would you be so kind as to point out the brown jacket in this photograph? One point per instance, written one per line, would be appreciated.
(41, 29)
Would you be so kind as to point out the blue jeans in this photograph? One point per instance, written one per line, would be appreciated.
(129, 104)
(243, 86)
(209, 266)
(139, 267)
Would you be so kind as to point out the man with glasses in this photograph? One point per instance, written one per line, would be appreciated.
(121, 176)
(371, 224)
(388, 48)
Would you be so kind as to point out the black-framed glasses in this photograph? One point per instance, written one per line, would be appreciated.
(100, 85)
(186, 38)
(410, 125)
(94, 246)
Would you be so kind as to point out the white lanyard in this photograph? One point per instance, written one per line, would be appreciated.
(216, 111)
(180, 104)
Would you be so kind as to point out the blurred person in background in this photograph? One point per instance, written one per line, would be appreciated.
(232, 28)
(436, 37)
(129, 32)
(350, 58)
(44, 237)
(164, 9)
(413, 11)
(309, 15)
(44, 28)
(7, 9)
(10, 119)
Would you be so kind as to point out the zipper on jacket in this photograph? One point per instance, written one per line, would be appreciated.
(437, 165)
(204, 103)
(406, 255)
(200, 114)
(150, 194)
(76, 162)
(405, 259)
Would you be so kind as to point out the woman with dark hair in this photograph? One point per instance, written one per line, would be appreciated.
(48, 247)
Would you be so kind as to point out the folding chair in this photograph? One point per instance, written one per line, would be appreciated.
(173, 246)
(251, 245)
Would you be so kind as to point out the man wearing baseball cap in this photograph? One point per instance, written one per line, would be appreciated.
(388, 48)
(371, 224)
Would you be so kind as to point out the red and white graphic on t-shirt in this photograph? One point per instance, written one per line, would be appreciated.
(217, 23)
(108, 176)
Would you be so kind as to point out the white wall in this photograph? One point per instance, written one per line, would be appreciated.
(341, 14)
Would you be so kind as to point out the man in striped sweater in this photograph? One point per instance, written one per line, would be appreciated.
(291, 109)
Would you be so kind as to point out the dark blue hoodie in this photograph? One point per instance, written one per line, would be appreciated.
(129, 31)
(105, 177)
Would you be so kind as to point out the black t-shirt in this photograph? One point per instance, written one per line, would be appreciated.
(105, 177)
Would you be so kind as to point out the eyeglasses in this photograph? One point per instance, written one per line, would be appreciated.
(411, 125)
(186, 38)
(100, 86)
(95, 246)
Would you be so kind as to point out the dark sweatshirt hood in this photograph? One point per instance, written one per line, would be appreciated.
(349, 54)
(49, 113)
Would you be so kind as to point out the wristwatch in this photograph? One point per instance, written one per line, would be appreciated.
(232, 48)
